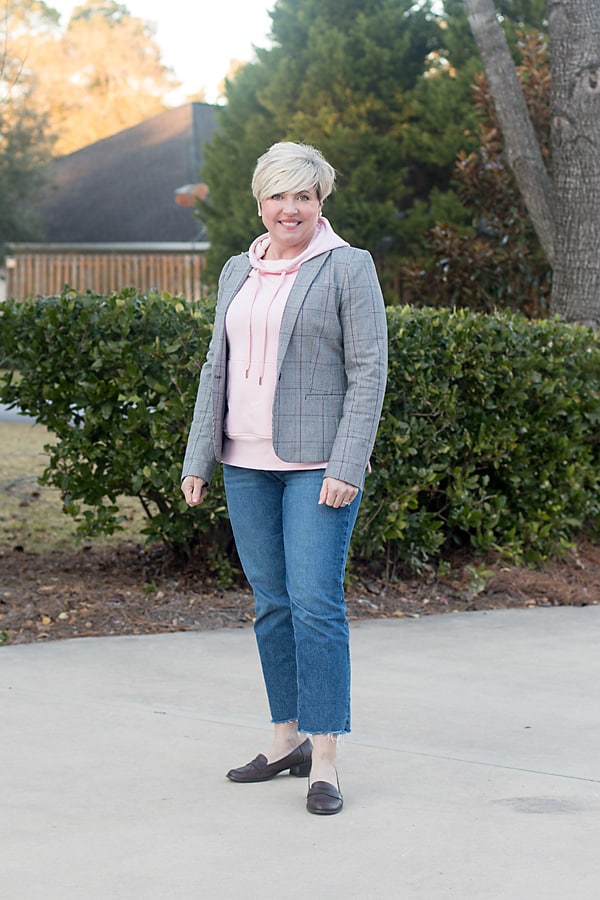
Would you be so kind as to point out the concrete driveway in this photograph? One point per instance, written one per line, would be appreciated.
(473, 770)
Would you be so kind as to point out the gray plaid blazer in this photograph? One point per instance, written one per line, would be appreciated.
(332, 368)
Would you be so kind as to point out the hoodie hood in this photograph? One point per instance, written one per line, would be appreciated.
(323, 240)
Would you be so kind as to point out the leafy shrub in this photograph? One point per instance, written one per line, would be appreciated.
(490, 434)
(115, 379)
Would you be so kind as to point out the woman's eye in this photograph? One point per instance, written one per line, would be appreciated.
(304, 197)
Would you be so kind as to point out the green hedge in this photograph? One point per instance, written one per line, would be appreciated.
(490, 434)
(115, 379)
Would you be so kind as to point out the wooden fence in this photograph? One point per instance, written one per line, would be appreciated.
(45, 269)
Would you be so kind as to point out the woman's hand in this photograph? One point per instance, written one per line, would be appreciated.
(337, 493)
(194, 489)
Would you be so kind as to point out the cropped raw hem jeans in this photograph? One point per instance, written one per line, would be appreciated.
(293, 552)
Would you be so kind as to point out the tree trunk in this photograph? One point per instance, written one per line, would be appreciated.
(522, 148)
(575, 120)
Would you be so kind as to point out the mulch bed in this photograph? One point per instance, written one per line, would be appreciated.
(131, 590)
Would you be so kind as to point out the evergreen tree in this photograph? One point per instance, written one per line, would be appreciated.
(24, 151)
(383, 88)
(339, 75)
(245, 130)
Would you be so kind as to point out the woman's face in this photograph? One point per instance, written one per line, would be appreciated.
(291, 219)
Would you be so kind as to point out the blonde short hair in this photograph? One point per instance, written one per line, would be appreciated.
(287, 166)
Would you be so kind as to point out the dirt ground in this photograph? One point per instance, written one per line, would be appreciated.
(53, 587)
(125, 589)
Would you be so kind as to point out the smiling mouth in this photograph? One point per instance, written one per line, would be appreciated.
(287, 223)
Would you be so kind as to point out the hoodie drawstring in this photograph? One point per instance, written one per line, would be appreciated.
(253, 274)
(257, 273)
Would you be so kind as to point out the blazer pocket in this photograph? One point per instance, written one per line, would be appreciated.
(325, 394)
(325, 407)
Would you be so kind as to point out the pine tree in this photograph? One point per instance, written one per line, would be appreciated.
(338, 76)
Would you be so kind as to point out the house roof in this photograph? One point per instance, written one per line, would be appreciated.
(123, 189)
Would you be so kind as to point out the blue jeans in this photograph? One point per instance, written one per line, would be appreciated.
(293, 553)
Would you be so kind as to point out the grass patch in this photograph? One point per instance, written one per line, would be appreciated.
(31, 516)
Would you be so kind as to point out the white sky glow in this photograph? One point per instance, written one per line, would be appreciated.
(198, 40)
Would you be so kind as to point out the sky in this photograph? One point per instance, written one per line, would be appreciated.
(198, 40)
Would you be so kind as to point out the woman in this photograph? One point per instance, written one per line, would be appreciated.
(289, 401)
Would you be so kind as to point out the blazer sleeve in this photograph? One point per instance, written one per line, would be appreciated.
(364, 329)
(200, 458)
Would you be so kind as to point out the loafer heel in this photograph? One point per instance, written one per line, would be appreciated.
(298, 762)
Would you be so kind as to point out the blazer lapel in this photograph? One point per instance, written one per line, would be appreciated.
(307, 273)
(235, 280)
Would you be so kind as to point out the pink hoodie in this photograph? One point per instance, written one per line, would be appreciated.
(252, 324)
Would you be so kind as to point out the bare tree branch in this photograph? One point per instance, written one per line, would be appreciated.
(522, 148)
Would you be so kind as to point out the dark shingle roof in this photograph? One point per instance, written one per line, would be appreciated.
(122, 189)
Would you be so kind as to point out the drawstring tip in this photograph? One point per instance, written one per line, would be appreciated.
(260, 380)
(247, 370)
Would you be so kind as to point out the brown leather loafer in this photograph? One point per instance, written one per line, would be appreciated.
(298, 762)
(324, 799)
